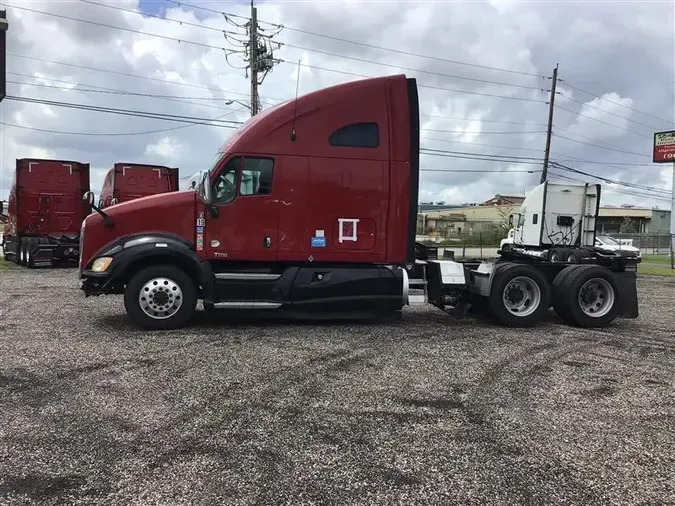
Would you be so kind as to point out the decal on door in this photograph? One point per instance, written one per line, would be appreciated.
(319, 239)
(347, 229)
(201, 223)
(215, 243)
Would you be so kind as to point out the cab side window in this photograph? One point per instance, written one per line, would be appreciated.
(356, 135)
(256, 176)
(225, 185)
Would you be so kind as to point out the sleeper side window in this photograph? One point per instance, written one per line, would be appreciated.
(356, 135)
(256, 176)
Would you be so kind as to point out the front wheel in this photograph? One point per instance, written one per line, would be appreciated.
(160, 297)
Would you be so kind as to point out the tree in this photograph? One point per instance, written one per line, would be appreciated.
(628, 226)
(504, 213)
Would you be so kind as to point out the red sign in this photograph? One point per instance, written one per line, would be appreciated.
(664, 147)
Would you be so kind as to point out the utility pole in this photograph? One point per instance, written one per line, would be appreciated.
(4, 26)
(672, 222)
(549, 132)
(253, 60)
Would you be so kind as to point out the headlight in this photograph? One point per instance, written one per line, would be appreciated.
(101, 264)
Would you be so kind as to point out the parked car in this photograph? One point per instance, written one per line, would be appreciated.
(608, 243)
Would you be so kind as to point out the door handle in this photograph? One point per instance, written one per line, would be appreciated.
(267, 242)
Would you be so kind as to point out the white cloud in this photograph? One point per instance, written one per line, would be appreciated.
(609, 110)
(193, 80)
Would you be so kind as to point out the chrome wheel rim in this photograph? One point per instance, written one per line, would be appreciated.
(22, 254)
(596, 297)
(521, 296)
(160, 298)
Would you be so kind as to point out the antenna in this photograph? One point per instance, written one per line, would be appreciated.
(295, 105)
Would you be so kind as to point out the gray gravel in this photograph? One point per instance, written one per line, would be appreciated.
(420, 411)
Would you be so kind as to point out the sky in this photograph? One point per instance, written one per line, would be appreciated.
(483, 70)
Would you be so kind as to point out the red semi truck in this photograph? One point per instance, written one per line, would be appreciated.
(45, 211)
(310, 208)
(128, 181)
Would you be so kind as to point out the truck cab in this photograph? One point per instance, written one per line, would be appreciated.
(311, 203)
(128, 181)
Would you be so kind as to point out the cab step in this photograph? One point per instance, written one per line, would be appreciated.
(246, 304)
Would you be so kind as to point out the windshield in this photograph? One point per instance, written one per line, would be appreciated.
(608, 240)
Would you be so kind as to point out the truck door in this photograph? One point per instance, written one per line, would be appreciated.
(248, 222)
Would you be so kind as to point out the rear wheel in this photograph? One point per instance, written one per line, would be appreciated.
(520, 296)
(558, 255)
(588, 297)
(30, 245)
(160, 297)
(22, 251)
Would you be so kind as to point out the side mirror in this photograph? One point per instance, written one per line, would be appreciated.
(510, 220)
(2, 207)
(88, 197)
(204, 188)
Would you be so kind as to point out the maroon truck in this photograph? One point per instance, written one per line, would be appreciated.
(129, 181)
(45, 211)
(311, 208)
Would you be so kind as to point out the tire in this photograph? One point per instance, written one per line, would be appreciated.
(558, 255)
(559, 290)
(30, 245)
(161, 279)
(22, 251)
(516, 279)
(591, 282)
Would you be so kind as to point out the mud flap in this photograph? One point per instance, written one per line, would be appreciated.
(43, 255)
(627, 285)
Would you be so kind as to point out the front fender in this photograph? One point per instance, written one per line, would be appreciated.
(133, 252)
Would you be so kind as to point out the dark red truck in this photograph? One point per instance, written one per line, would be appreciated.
(45, 211)
(129, 181)
(310, 208)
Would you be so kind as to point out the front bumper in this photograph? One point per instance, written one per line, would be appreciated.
(95, 283)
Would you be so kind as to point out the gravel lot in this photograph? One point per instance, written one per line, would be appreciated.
(420, 411)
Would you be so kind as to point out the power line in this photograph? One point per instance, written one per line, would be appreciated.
(137, 76)
(482, 120)
(560, 157)
(467, 92)
(475, 157)
(609, 180)
(147, 15)
(364, 44)
(129, 112)
(600, 121)
(319, 51)
(175, 98)
(613, 190)
(100, 89)
(480, 171)
(165, 37)
(482, 154)
(586, 104)
(481, 133)
(566, 83)
(113, 92)
(603, 147)
(121, 134)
